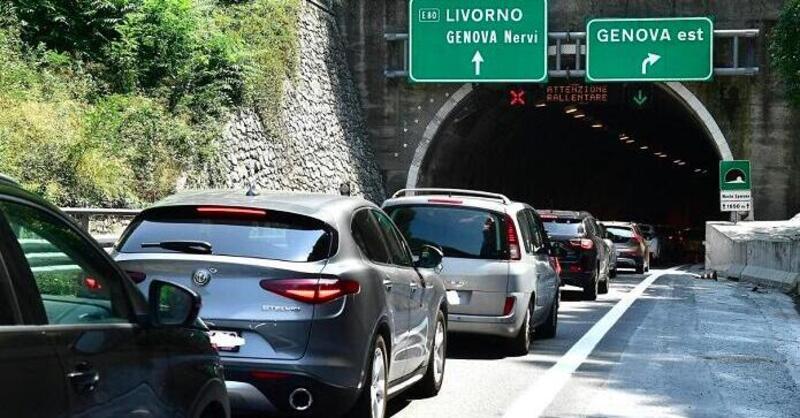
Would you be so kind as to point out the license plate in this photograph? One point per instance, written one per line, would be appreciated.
(226, 340)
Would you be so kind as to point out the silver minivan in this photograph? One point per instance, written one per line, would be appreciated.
(499, 269)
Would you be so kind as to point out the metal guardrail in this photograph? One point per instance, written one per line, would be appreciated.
(84, 215)
(573, 45)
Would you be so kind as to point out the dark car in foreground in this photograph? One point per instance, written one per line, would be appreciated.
(314, 301)
(630, 244)
(584, 260)
(77, 337)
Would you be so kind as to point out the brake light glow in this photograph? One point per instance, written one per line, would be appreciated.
(514, 252)
(265, 375)
(446, 201)
(509, 305)
(583, 243)
(136, 276)
(312, 291)
(227, 211)
(92, 284)
(575, 268)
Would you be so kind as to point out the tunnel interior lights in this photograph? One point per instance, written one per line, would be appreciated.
(644, 147)
(677, 161)
(682, 163)
(630, 141)
(571, 110)
(624, 137)
(579, 116)
(597, 125)
(541, 104)
(664, 155)
(697, 170)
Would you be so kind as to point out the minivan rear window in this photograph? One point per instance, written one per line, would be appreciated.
(459, 232)
(564, 227)
(231, 232)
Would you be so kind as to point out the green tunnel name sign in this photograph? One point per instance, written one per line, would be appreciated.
(478, 41)
(656, 49)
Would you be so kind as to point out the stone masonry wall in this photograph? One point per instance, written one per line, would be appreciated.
(323, 138)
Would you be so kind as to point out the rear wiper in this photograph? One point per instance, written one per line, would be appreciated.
(191, 247)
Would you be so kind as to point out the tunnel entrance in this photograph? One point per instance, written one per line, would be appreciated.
(621, 151)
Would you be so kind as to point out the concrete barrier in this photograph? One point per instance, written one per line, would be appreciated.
(763, 252)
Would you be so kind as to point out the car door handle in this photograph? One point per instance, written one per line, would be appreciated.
(84, 379)
(388, 285)
(414, 286)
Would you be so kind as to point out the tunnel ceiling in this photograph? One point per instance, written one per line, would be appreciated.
(599, 155)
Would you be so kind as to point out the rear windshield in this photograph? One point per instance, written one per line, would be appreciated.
(252, 233)
(459, 232)
(564, 227)
(619, 235)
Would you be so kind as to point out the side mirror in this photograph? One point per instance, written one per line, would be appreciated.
(430, 257)
(172, 305)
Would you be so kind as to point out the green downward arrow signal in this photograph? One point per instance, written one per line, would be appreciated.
(640, 99)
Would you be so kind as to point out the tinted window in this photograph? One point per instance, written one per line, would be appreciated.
(76, 284)
(537, 231)
(459, 232)
(397, 248)
(368, 237)
(249, 233)
(618, 234)
(564, 227)
(523, 218)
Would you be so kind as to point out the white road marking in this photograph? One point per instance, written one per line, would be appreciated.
(537, 397)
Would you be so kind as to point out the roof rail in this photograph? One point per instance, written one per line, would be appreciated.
(6, 179)
(451, 192)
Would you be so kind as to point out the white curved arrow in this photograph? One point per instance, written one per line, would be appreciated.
(649, 62)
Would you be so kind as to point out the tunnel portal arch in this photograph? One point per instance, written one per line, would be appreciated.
(693, 105)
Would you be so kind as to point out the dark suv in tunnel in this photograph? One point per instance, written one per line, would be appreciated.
(584, 257)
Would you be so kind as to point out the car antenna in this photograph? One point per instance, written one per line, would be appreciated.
(251, 191)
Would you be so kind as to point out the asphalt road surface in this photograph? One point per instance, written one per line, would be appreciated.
(683, 347)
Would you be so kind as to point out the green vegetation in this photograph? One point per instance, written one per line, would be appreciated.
(785, 48)
(114, 102)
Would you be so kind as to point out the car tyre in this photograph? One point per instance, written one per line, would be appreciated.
(521, 344)
(602, 288)
(431, 383)
(372, 402)
(550, 328)
(590, 291)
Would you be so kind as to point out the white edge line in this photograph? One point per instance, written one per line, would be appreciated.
(536, 398)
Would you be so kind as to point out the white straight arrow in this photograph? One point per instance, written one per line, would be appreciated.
(649, 62)
(477, 59)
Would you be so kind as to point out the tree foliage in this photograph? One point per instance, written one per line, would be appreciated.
(116, 102)
(785, 48)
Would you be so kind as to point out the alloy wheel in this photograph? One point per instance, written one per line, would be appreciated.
(438, 352)
(378, 389)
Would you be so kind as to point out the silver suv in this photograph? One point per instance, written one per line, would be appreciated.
(314, 301)
(498, 268)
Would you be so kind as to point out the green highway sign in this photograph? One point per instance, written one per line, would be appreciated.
(734, 175)
(735, 186)
(656, 49)
(478, 41)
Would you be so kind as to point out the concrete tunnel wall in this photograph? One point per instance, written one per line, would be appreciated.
(751, 112)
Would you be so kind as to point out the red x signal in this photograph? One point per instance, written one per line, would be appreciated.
(517, 97)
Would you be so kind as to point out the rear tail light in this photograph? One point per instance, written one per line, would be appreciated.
(92, 284)
(575, 268)
(509, 305)
(514, 252)
(266, 375)
(313, 291)
(584, 243)
(556, 264)
(136, 276)
(446, 201)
